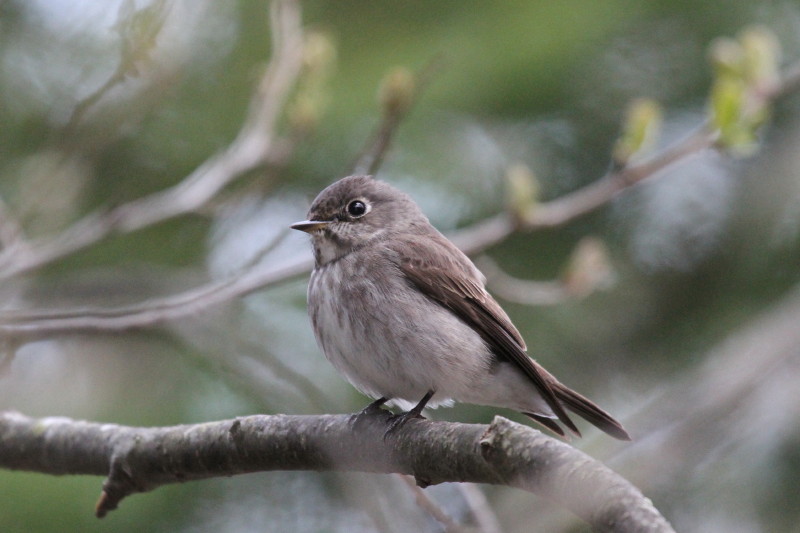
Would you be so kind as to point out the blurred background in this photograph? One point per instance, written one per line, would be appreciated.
(691, 341)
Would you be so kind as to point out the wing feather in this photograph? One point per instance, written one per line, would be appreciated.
(448, 277)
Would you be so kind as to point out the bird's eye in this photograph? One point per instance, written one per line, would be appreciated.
(357, 209)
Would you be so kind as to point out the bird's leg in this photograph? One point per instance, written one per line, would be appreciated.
(373, 408)
(399, 421)
(416, 411)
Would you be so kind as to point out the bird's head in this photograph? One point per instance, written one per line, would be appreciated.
(354, 212)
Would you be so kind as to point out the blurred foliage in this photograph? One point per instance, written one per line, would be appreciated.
(640, 130)
(523, 88)
(744, 68)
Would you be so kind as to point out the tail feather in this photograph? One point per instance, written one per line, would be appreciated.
(590, 411)
(549, 423)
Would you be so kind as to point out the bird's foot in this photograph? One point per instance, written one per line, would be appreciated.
(398, 421)
(373, 409)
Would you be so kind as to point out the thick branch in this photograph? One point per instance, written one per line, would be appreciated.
(142, 459)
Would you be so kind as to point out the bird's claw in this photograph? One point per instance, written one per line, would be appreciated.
(373, 409)
(398, 421)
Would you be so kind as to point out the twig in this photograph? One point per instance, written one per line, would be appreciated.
(482, 512)
(142, 459)
(588, 269)
(372, 156)
(10, 229)
(302, 384)
(257, 143)
(521, 291)
(422, 499)
(254, 371)
(135, 49)
(753, 367)
(557, 212)
(31, 325)
(472, 240)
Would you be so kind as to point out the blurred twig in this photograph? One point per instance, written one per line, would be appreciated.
(399, 92)
(252, 368)
(29, 324)
(588, 269)
(482, 512)
(10, 229)
(744, 393)
(557, 212)
(257, 143)
(139, 30)
(431, 507)
(521, 291)
(44, 323)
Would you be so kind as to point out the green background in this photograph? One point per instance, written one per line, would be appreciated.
(703, 254)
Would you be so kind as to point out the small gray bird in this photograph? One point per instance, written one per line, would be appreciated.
(404, 315)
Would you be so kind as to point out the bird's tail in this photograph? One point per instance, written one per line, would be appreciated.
(584, 407)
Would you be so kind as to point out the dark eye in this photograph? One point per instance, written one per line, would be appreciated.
(356, 209)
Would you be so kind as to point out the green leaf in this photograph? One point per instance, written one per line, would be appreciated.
(522, 191)
(640, 130)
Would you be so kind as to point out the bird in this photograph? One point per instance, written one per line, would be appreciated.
(404, 315)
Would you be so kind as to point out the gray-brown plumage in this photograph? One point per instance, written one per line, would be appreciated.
(404, 315)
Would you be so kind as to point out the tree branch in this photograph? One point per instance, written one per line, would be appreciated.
(31, 324)
(257, 143)
(429, 506)
(557, 212)
(588, 269)
(37, 324)
(401, 91)
(43, 323)
(504, 453)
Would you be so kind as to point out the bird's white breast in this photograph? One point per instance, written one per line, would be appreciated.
(387, 338)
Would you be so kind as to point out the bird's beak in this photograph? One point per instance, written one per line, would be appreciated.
(310, 225)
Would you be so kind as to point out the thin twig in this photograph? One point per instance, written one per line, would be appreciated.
(11, 233)
(472, 240)
(431, 507)
(258, 374)
(587, 270)
(134, 50)
(256, 144)
(521, 291)
(45, 323)
(557, 212)
(482, 511)
(379, 142)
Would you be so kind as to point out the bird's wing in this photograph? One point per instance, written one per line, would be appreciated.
(447, 276)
